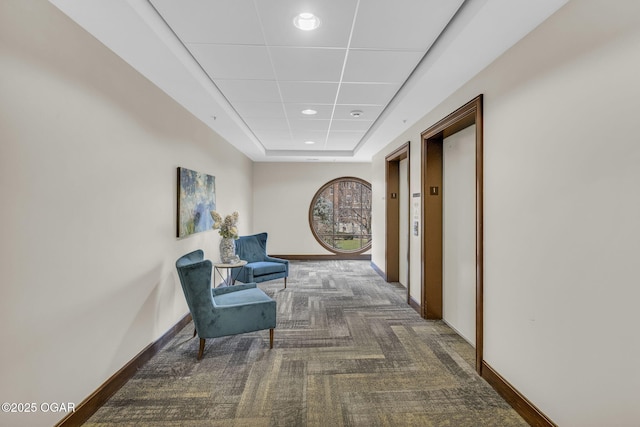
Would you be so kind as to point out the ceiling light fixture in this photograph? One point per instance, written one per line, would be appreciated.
(306, 21)
(309, 112)
(356, 113)
(309, 142)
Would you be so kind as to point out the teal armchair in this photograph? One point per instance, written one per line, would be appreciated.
(260, 267)
(222, 311)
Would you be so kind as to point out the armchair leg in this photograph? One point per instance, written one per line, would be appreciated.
(285, 283)
(201, 348)
(271, 338)
(194, 332)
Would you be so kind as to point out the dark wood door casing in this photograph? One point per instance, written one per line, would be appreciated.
(432, 191)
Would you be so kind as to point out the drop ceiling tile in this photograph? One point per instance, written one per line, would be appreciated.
(336, 17)
(233, 62)
(256, 109)
(300, 136)
(220, 21)
(308, 92)
(343, 140)
(294, 111)
(249, 90)
(309, 125)
(382, 66)
(401, 24)
(351, 125)
(367, 93)
(307, 64)
(259, 123)
(369, 112)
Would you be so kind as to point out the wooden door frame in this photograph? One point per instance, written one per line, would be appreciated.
(392, 221)
(431, 229)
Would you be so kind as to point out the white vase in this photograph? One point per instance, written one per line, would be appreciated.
(227, 250)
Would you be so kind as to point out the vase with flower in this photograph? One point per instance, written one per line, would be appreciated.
(228, 230)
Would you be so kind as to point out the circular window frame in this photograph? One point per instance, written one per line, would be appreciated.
(311, 219)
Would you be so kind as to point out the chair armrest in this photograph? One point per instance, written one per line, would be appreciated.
(234, 288)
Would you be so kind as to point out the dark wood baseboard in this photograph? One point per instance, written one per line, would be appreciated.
(92, 403)
(333, 257)
(526, 409)
(414, 304)
(379, 271)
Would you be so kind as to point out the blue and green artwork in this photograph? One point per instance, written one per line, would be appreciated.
(196, 200)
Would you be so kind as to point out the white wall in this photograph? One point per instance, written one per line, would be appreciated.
(282, 197)
(562, 235)
(459, 232)
(88, 157)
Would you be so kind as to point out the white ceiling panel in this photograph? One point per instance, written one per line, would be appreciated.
(343, 140)
(323, 111)
(219, 21)
(310, 125)
(264, 110)
(381, 66)
(256, 91)
(234, 62)
(300, 136)
(336, 18)
(351, 125)
(401, 24)
(368, 112)
(260, 123)
(242, 67)
(309, 92)
(367, 93)
(307, 64)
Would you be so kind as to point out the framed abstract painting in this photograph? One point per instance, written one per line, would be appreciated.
(196, 200)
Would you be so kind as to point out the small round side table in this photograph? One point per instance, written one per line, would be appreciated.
(230, 279)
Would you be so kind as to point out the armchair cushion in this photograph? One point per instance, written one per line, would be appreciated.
(248, 296)
(262, 268)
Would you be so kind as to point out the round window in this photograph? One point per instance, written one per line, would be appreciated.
(340, 215)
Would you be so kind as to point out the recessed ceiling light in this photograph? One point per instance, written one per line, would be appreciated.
(309, 112)
(356, 113)
(309, 142)
(306, 21)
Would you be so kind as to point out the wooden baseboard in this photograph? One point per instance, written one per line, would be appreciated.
(333, 257)
(92, 403)
(526, 409)
(379, 271)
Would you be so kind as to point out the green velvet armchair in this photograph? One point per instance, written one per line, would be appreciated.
(260, 267)
(222, 311)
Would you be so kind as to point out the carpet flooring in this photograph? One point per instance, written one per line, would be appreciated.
(348, 351)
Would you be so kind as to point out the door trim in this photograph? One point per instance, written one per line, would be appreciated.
(392, 217)
(431, 229)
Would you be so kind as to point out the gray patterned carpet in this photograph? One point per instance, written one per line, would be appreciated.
(348, 351)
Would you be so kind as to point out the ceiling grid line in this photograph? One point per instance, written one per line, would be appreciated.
(344, 66)
(286, 115)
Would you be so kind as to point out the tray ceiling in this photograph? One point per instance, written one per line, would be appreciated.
(369, 71)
